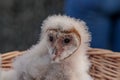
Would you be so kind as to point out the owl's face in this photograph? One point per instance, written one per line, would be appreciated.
(62, 43)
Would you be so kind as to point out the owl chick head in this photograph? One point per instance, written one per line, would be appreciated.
(64, 36)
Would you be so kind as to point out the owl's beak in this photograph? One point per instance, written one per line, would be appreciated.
(57, 50)
(56, 53)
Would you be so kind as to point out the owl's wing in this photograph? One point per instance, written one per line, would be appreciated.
(28, 63)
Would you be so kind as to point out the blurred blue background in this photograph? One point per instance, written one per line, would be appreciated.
(102, 18)
(20, 21)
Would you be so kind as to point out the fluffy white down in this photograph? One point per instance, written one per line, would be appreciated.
(37, 56)
(81, 61)
(8, 75)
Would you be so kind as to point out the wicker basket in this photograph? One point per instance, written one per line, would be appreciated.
(105, 63)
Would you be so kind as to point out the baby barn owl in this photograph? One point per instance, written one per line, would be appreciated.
(59, 55)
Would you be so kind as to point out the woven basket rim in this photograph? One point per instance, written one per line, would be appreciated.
(105, 63)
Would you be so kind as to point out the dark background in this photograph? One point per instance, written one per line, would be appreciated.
(20, 21)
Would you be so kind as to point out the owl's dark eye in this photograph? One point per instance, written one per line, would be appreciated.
(67, 40)
(51, 38)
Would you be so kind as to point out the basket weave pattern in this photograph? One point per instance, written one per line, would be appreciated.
(7, 59)
(105, 63)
